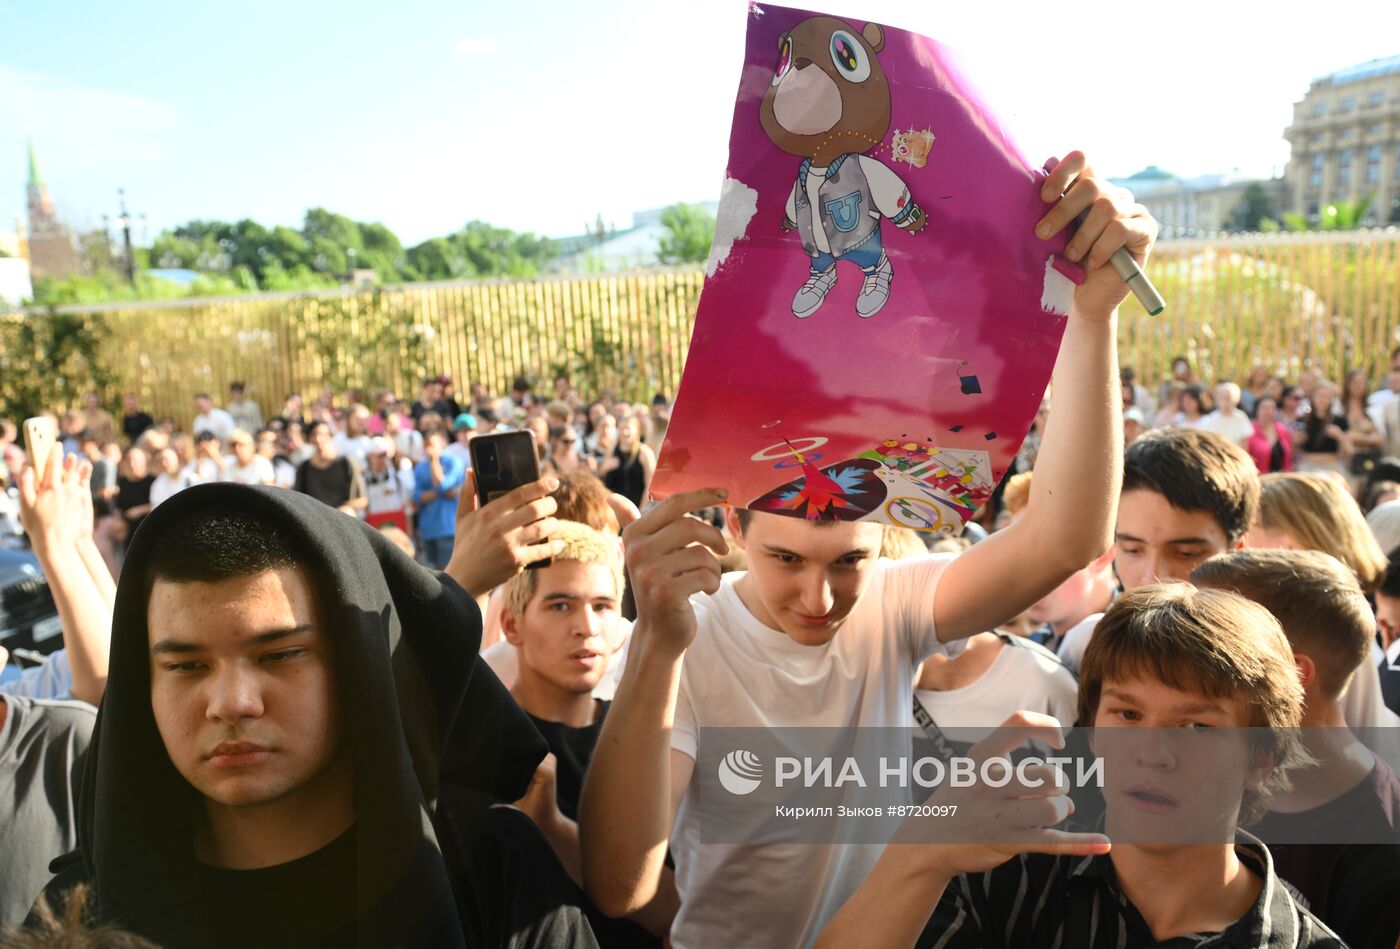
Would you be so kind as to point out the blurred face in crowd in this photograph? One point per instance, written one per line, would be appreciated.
(1274, 388)
(242, 450)
(1307, 381)
(1292, 403)
(267, 445)
(235, 393)
(91, 401)
(540, 426)
(565, 632)
(1181, 369)
(243, 688)
(629, 432)
(429, 394)
(202, 405)
(1357, 385)
(434, 443)
(1226, 398)
(378, 460)
(167, 462)
(134, 464)
(1159, 543)
(356, 421)
(1392, 380)
(130, 404)
(210, 447)
(73, 424)
(323, 441)
(292, 406)
(1388, 618)
(803, 579)
(1323, 398)
(1266, 412)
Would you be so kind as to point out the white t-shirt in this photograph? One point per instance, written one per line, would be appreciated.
(1071, 651)
(168, 485)
(216, 420)
(355, 448)
(1024, 675)
(207, 470)
(386, 494)
(259, 471)
(739, 672)
(1236, 426)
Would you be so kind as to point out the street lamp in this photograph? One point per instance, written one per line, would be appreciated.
(125, 217)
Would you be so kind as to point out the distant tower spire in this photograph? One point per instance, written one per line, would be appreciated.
(51, 250)
(36, 177)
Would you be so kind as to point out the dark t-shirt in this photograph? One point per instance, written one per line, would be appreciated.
(133, 494)
(1316, 437)
(136, 423)
(573, 749)
(307, 902)
(42, 744)
(328, 485)
(1353, 887)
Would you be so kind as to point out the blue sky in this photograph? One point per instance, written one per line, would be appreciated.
(425, 114)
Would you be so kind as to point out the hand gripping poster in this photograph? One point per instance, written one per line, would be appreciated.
(878, 322)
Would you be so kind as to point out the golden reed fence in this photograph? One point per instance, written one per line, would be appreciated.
(1326, 302)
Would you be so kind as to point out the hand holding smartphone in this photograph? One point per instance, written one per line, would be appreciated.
(502, 462)
(40, 443)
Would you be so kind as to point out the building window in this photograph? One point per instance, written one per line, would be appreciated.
(1347, 104)
(1373, 129)
(1373, 165)
(1319, 161)
(1346, 133)
(1376, 98)
(1344, 168)
(1317, 139)
(1319, 108)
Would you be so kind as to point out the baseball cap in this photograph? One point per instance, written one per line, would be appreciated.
(378, 445)
(465, 420)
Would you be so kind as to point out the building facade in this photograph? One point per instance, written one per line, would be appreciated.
(1345, 140)
(52, 252)
(1187, 207)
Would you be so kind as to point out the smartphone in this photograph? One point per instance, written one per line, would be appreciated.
(503, 462)
(40, 441)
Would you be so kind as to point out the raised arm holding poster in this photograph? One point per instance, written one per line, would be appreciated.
(879, 322)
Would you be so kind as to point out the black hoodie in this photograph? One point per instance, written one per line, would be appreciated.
(436, 740)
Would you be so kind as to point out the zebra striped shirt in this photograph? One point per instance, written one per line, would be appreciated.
(1037, 901)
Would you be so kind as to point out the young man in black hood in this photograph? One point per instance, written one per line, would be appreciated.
(296, 746)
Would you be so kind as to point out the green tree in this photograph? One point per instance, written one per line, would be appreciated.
(690, 230)
(1255, 207)
(1334, 216)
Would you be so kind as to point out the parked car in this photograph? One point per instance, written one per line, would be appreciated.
(28, 618)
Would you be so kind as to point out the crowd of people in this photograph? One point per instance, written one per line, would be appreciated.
(270, 724)
(397, 464)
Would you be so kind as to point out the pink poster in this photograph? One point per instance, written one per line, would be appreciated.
(879, 321)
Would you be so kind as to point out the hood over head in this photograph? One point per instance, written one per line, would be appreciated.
(419, 715)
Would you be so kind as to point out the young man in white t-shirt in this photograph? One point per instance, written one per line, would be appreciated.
(245, 465)
(818, 632)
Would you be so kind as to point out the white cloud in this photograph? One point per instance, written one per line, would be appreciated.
(475, 46)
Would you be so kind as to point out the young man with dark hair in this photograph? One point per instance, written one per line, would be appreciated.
(1187, 496)
(1195, 707)
(297, 747)
(820, 632)
(1350, 802)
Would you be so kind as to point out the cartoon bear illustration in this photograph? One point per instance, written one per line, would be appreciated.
(829, 102)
